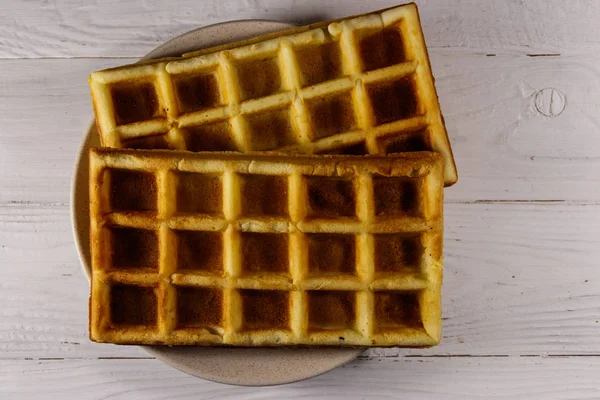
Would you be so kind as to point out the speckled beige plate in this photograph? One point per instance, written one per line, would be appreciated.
(253, 367)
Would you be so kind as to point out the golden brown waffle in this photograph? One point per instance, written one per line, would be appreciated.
(361, 85)
(265, 250)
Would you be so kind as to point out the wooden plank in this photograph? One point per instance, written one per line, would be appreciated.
(504, 148)
(410, 378)
(43, 288)
(45, 110)
(519, 279)
(114, 28)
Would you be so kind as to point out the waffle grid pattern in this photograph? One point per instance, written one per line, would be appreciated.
(356, 86)
(290, 300)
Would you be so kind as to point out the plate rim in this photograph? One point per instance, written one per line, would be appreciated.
(348, 354)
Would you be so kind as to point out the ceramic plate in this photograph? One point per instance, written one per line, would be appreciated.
(237, 366)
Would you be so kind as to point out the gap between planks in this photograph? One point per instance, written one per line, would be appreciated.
(361, 357)
(475, 52)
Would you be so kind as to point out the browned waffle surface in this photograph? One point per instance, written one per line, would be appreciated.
(265, 250)
(361, 85)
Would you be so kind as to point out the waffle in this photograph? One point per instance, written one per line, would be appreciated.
(265, 250)
(361, 85)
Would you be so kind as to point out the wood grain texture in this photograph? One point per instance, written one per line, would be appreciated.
(392, 378)
(505, 149)
(520, 279)
(75, 28)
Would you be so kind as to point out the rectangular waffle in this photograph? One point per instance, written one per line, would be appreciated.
(265, 250)
(361, 85)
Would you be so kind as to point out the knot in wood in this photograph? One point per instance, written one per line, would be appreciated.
(550, 102)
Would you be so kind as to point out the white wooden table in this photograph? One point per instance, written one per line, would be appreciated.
(519, 85)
